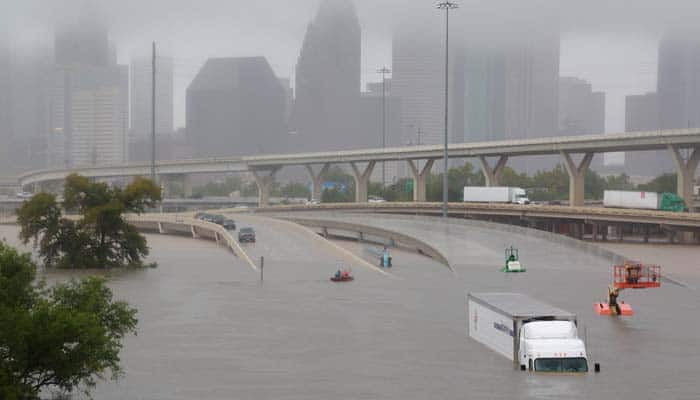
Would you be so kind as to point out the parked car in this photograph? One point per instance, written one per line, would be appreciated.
(229, 225)
(246, 235)
(375, 199)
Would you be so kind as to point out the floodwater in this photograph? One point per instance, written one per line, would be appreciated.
(209, 329)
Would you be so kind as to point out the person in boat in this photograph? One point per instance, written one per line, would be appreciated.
(337, 274)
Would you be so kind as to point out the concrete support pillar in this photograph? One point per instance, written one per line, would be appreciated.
(577, 177)
(187, 186)
(594, 231)
(362, 180)
(317, 180)
(492, 174)
(419, 178)
(686, 173)
(264, 179)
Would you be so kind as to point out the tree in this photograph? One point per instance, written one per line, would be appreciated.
(101, 238)
(551, 185)
(65, 338)
(666, 183)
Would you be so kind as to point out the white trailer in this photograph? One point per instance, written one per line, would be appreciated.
(534, 335)
(495, 194)
(631, 199)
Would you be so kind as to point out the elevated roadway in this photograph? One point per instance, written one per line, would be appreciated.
(575, 221)
(264, 167)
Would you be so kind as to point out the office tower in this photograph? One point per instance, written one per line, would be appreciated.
(328, 75)
(141, 96)
(89, 97)
(236, 106)
(581, 110)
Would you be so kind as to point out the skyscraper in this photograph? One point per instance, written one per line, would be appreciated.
(581, 110)
(141, 93)
(418, 81)
(328, 75)
(85, 71)
(675, 105)
(679, 81)
(5, 122)
(236, 106)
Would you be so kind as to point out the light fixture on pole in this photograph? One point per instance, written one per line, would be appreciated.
(384, 71)
(447, 6)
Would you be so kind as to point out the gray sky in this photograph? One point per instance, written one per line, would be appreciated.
(611, 43)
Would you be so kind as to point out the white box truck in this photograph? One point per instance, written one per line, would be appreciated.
(495, 194)
(630, 199)
(535, 335)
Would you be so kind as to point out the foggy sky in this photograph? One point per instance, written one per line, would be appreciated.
(611, 43)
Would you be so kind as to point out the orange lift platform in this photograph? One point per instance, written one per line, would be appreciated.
(630, 275)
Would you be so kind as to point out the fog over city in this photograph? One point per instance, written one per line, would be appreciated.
(613, 46)
(596, 32)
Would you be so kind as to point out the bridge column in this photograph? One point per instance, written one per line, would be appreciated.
(187, 186)
(686, 173)
(317, 180)
(362, 180)
(577, 177)
(419, 177)
(492, 175)
(264, 179)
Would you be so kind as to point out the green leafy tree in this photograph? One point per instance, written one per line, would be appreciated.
(64, 338)
(218, 189)
(666, 183)
(293, 189)
(551, 185)
(101, 238)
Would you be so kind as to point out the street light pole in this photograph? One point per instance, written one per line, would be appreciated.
(153, 115)
(447, 6)
(384, 71)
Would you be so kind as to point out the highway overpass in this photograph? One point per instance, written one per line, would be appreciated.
(363, 162)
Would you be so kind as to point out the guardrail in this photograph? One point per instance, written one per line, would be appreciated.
(399, 240)
(175, 224)
(584, 214)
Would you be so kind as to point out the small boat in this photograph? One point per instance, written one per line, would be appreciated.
(343, 276)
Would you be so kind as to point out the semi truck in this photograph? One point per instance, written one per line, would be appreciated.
(495, 194)
(643, 200)
(534, 335)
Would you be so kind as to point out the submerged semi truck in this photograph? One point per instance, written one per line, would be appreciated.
(535, 335)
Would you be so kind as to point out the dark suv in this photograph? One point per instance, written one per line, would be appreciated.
(246, 235)
(229, 225)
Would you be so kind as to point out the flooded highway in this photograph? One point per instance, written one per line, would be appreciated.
(209, 329)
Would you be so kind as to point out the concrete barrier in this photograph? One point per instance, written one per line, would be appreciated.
(360, 231)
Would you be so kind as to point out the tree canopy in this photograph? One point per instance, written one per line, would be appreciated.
(101, 237)
(63, 338)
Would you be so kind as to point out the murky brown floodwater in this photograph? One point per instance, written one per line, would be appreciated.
(210, 330)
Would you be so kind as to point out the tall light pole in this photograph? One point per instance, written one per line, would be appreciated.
(447, 6)
(153, 115)
(384, 71)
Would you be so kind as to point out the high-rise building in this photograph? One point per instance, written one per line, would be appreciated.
(5, 102)
(581, 110)
(675, 105)
(418, 81)
(679, 81)
(86, 71)
(642, 115)
(236, 106)
(142, 92)
(31, 71)
(89, 116)
(328, 76)
(85, 42)
(532, 87)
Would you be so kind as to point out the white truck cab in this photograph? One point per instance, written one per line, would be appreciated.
(552, 346)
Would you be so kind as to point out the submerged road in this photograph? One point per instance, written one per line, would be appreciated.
(210, 330)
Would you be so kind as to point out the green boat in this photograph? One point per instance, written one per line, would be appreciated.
(512, 261)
